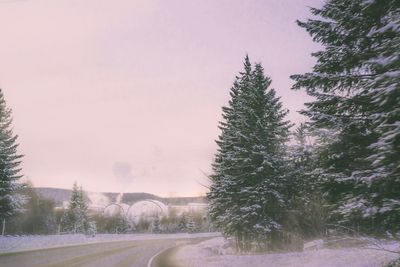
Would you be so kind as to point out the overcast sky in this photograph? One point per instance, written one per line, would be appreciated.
(126, 95)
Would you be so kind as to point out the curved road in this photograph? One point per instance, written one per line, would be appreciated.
(110, 254)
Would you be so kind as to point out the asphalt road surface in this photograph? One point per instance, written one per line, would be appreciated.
(110, 254)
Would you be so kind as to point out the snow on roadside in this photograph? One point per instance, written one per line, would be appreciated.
(212, 253)
(23, 243)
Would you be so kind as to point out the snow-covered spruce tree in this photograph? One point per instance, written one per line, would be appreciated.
(191, 225)
(247, 191)
(356, 86)
(223, 187)
(10, 200)
(183, 223)
(75, 218)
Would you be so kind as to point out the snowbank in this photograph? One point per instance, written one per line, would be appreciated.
(21, 243)
(213, 253)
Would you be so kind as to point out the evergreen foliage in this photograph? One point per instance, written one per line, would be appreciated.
(76, 216)
(191, 225)
(112, 224)
(247, 195)
(10, 201)
(356, 87)
(306, 213)
(183, 223)
(143, 224)
(156, 224)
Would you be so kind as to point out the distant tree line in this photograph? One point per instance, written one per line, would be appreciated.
(39, 215)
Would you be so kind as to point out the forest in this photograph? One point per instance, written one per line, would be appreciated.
(339, 171)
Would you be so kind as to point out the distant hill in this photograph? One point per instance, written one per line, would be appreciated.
(56, 194)
(61, 195)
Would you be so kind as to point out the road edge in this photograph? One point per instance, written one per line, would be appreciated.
(150, 262)
(164, 258)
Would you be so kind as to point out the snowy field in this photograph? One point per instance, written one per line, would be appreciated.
(23, 243)
(213, 253)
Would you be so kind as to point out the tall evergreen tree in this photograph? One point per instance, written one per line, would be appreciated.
(356, 87)
(247, 191)
(10, 200)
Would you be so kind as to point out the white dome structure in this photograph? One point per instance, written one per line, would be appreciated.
(116, 209)
(146, 208)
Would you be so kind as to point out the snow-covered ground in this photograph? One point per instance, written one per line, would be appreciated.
(213, 253)
(22, 243)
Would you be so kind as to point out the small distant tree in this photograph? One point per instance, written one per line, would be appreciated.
(76, 216)
(170, 221)
(10, 201)
(143, 224)
(92, 228)
(200, 221)
(156, 224)
(117, 223)
(191, 225)
(164, 222)
(108, 224)
(183, 223)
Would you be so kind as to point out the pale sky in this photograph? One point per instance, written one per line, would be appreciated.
(126, 95)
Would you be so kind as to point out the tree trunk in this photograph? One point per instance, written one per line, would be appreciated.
(4, 227)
